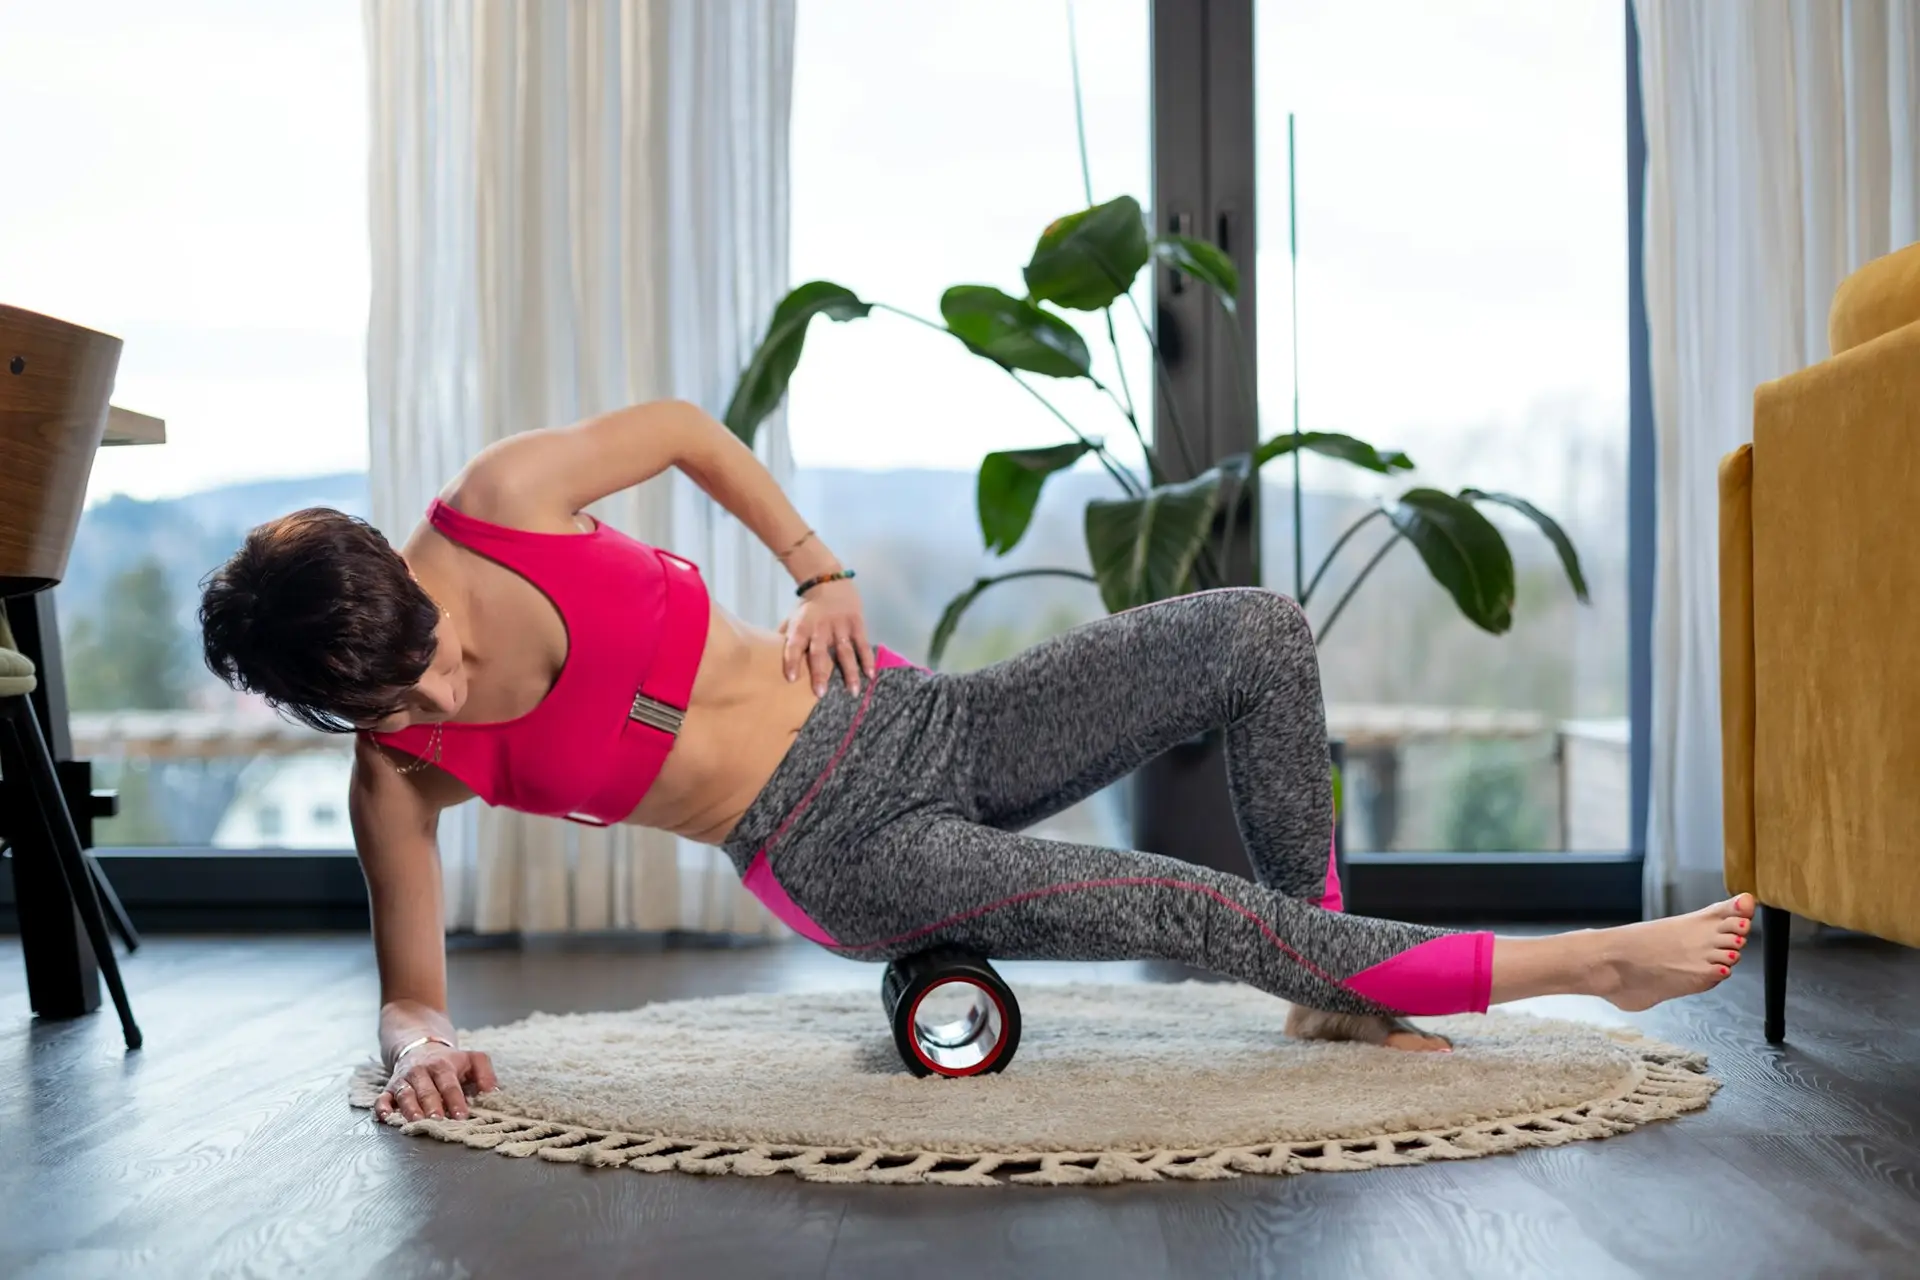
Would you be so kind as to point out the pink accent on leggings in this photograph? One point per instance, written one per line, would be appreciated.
(761, 884)
(1330, 897)
(884, 657)
(1453, 974)
(759, 880)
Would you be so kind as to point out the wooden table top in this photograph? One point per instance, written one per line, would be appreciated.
(124, 426)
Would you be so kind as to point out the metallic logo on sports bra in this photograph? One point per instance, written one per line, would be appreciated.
(656, 714)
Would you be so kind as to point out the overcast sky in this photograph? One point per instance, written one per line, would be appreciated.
(190, 176)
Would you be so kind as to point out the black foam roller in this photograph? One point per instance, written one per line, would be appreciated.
(909, 978)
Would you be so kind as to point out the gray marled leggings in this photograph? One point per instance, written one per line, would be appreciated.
(893, 822)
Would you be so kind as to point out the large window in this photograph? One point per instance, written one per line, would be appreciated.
(196, 185)
(191, 177)
(931, 146)
(1460, 188)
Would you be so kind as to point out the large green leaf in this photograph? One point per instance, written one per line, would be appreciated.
(1143, 548)
(1463, 551)
(1569, 558)
(1332, 444)
(1013, 332)
(1009, 489)
(1087, 259)
(1204, 262)
(764, 382)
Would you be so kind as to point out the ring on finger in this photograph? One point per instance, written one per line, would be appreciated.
(403, 1086)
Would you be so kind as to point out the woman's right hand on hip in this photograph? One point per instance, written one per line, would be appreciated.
(432, 1081)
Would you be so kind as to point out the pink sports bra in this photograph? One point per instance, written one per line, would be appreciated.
(636, 621)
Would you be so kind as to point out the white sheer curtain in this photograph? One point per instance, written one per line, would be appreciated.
(576, 205)
(1782, 140)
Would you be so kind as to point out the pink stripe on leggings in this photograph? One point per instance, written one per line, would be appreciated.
(1330, 897)
(1112, 882)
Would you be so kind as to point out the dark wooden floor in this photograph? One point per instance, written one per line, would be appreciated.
(226, 1147)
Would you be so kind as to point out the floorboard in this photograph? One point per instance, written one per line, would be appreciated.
(225, 1147)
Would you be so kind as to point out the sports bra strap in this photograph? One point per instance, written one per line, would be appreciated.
(525, 551)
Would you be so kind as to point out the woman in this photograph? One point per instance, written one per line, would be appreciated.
(517, 650)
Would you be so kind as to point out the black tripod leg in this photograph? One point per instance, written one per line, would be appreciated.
(116, 911)
(71, 858)
(1775, 926)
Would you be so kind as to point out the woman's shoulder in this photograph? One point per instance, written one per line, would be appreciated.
(391, 779)
(490, 495)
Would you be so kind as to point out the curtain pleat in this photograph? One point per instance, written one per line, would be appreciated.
(576, 205)
(1781, 156)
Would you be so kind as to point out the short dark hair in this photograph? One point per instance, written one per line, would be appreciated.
(318, 613)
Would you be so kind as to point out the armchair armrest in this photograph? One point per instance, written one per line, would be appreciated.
(1835, 612)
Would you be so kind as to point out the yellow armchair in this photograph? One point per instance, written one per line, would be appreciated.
(1820, 631)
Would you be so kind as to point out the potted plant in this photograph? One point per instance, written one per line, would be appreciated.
(1155, 537)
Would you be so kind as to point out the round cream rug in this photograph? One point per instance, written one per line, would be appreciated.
(1110, 1083)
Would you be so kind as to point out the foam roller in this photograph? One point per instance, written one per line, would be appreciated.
(951, 1013)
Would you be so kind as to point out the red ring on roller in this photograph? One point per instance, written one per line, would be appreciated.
(986, 1063)
(979, 1040)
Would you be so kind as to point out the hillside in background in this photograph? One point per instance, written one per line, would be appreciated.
(188, 536)
(914, 538)
(127, 613)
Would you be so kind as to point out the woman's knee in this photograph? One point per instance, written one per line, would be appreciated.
(1263, 619)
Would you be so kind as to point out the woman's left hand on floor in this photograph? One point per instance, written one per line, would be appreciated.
(828, 628)
(432, 1081)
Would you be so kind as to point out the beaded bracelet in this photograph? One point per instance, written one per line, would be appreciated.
(837, 575)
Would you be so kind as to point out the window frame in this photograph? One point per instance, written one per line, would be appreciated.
(1203, 114)
(1204, 117)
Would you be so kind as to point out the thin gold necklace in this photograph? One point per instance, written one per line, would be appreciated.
(421, 762)
(438, 735)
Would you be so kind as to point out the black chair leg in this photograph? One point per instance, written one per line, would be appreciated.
(116, 910)
(51, 808)
(1776, 924)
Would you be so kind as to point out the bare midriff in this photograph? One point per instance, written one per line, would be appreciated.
(743, 716)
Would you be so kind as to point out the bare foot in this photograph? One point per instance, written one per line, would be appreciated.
(1640, 965)
(1366, 1028)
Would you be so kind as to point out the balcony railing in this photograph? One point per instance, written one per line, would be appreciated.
(1583, 786)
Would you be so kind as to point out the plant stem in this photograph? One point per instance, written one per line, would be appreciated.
(1251, 399)
(1354, 586)
(1233, 521)
(1125, 478)
(1293, 275)
(1086, 183)
(1338, 543)
(1078, 574)
(1248, 398)
(1079, 110)
(1153, 469)
(1155, 476)
(1160, 368)
(1214, 572)
(908, 315)
(916, 319)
